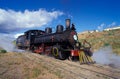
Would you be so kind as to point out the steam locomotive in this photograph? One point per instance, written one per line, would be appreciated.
(62, 44)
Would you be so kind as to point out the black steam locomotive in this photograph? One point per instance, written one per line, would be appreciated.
(62, 44)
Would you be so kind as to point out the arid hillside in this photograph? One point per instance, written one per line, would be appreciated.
(28, 65)
(101, 39)
(23, 66)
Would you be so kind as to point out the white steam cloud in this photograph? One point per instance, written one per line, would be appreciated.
(18, 34)
(6, 42)
(105, 56)
(11, 20)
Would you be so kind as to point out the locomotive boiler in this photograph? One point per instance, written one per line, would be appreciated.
(61, 44)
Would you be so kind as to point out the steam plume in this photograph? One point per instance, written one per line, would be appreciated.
(6, 42)
(105, 56)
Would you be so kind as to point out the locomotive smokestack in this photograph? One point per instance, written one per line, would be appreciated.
(67, 24)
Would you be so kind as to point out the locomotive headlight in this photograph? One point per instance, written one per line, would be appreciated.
(75, 37)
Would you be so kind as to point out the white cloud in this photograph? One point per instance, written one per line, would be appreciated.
(11, 20)
(103, 26)
(100, 27)
(112, 24)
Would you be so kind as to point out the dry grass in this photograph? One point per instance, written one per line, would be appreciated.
(35, 66)
(101, 39)
(17, 66)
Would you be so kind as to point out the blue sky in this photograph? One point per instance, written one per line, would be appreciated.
(85, 14)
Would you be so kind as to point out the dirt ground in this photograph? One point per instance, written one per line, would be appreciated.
(34, 66)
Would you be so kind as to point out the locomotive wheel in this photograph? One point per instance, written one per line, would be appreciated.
(62, 55)
(57, 53)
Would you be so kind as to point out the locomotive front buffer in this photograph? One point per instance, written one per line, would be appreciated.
(84, 53)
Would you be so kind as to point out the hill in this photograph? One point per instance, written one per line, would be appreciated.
(34, 66)
(101, 39)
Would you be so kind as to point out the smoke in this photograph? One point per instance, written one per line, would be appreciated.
(105, 56)
(6, 42)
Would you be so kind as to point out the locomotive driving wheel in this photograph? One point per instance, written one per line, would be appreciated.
(58, 53)
(55, 51)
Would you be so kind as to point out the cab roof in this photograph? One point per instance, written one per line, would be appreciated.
(35, 31)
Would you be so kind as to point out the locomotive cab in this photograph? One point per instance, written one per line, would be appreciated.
(30, 35)
(20, 41)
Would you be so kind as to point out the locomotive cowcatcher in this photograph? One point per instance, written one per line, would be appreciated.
(62, 44)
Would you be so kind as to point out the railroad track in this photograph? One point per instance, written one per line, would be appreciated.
(99, 70)
(75, 69)
(101, 67)
(112, 73)
(51, 64)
